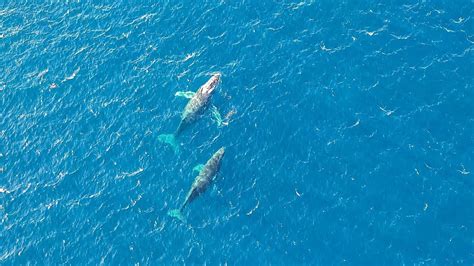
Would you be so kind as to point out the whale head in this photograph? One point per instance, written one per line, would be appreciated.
(216, 77)
(219, 154)
(221, 151)
(213, 82)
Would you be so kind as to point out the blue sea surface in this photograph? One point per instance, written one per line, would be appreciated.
(352, 141)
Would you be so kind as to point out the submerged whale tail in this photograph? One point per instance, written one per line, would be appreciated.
(169, 139)
(176, 213)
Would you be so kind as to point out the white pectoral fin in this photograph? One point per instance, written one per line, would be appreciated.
(198, 168)
(217, 117)
(185, 94)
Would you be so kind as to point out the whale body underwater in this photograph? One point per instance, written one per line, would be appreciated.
(192, 111)
(207, 174)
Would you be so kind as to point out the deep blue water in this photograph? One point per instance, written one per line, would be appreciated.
(352, 143)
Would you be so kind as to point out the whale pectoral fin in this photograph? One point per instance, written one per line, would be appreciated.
(198, 168)
(217, 117)
(185, 94)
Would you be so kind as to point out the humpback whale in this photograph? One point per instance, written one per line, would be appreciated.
(206, 175)
(193, 109)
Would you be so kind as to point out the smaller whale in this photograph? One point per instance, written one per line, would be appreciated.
(206, 175)
(196, 105)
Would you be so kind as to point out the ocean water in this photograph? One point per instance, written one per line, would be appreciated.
(352, 141)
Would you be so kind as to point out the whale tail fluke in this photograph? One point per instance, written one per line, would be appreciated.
(176, 213)
(170, 139)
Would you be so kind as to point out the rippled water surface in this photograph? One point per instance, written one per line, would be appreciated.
(351, 143)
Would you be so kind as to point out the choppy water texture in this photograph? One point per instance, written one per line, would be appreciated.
(352, 142)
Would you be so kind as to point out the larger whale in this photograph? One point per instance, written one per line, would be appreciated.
(206, 175)
(193, 109)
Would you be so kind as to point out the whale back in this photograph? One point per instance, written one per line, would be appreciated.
(205, 177)
(213, 164)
